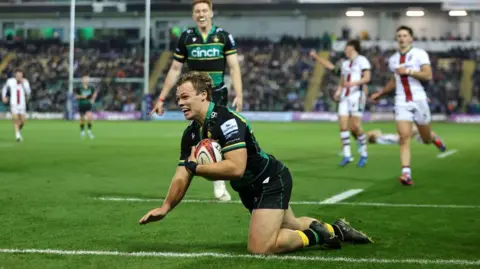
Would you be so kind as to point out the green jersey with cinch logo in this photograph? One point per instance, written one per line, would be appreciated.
(206, 53)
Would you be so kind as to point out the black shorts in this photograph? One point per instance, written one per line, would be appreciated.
(84, 108)
(271, 192)
(220, 96)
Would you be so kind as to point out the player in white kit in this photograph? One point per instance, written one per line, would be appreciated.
(355, 73)
(16, 91)
(412, 71)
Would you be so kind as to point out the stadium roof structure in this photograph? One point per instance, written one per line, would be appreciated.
(82, 6)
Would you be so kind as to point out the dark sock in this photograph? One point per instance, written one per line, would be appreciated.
(82, 126)
(312, 236)
(89, 126)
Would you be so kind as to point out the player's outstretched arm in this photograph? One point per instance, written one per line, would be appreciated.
(170, 81)
(326, 63)
(231, 168)
(235, 73)
(178, 187)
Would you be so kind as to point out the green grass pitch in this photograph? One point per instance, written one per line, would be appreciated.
(49, 182)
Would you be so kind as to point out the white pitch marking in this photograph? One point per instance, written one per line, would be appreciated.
(341, 196)
(446, 154)
(238, 256)
(132, 199)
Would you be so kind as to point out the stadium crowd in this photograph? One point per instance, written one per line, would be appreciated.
(275, 74)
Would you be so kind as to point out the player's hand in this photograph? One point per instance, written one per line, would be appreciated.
(5, 100)
(313, 53)
(158, 108)
(238, 103)
(154, 215)
(192, 157)
(402, 71)
(374, 97)
(336, 96)
(348, 84)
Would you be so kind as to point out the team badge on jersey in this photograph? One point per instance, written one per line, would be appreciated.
(215, 39)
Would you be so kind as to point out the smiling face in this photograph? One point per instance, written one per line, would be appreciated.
(202, 15)
(191, 102)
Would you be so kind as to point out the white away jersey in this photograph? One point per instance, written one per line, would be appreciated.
(17, 91)
(409, 88)
(352, 70)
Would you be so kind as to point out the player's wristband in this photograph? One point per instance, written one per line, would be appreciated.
(191, 166)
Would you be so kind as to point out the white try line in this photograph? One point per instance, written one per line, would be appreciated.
(194, 201)
(238, 256)
(447, 153)
(342, 196)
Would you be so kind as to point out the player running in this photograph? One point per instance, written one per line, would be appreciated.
(85, 96)
(355, 73)
(206, 48)
(17, 90)
(412, 70)
(263, 182)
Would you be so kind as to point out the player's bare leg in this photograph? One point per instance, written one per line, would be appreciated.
(428, 136)
(89, 124)
(266, 235)
(345, 138)
(404, 129)
(17, 126)
(82, 126)
(356, 128)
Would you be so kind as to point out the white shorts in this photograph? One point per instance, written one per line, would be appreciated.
(414, 111)
(353, 105)
(18, 109)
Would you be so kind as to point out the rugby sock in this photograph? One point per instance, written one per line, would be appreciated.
(362, 140)
(407, 170)
(438, 142)
(82, 127)
(89, 125)
(309, 237)
(345, 136)
(17, 135)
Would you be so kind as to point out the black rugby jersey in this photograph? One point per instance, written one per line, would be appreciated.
(206, 53)
(232, 131)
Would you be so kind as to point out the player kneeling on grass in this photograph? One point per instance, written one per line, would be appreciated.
(85, 96)
(263, 182)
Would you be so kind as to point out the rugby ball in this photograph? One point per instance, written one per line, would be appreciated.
(208, 151)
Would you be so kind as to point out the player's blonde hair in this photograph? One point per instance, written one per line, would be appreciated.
(201, 82)
(208, 2)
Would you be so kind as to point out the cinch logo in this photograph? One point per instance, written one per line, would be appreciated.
(203, 53)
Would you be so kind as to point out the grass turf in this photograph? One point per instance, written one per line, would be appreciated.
(48, 184)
